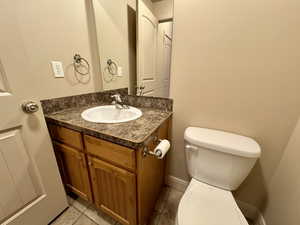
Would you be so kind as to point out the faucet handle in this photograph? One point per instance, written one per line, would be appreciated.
(117, 97)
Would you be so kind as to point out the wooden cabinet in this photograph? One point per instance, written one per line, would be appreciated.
(150, 176)
(74, 171)
(122, 182)
(65, 135)
(116, 154)
(114, 190)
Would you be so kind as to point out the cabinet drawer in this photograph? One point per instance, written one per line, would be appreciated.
(66, 136)
(118, 155)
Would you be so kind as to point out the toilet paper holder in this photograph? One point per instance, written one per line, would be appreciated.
(146, 150)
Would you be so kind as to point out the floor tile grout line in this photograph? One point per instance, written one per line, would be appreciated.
(90, 217)
(78, 216)
(160, 212)
(83, 212)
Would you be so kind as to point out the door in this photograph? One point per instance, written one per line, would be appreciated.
(73, 170)
(31, 191)
(114, 191)
(146, 50)
(164, 51)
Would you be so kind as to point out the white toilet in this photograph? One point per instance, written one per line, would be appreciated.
(218, 162)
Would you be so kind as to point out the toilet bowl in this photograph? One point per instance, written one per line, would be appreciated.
(218, 162)
(203, 204)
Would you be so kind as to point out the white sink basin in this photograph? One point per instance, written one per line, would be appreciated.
(110, 114)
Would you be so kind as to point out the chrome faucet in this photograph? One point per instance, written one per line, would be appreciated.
(118, 102)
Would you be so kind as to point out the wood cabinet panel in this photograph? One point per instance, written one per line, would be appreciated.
(114, 191)
(150, 177)
(116, 154)
(74, 170)
(66, 136)
(122, 182)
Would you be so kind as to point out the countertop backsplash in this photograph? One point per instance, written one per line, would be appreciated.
(78, 101)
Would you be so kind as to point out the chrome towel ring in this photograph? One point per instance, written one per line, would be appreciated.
(112, 67)
(79, 62)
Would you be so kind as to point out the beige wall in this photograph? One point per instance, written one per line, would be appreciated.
(236, 68)
(283, 205)
(132, 4)
(163, 9)
(148, 3)
(36, 32)
(112, 32)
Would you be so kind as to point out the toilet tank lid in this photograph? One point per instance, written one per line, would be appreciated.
(223, 141)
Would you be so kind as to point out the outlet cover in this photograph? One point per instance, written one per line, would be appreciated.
(57, 68)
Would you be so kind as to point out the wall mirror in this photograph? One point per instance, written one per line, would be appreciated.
(134, 43)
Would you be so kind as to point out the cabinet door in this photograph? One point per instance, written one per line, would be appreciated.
(114, 191)
(150, 176)
(74, 171)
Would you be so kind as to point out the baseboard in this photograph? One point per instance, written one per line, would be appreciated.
(176, 183)
(249, 211)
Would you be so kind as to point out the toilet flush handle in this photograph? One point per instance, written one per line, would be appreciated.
(191, 147)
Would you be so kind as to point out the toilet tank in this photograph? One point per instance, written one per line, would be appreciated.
(219, 158)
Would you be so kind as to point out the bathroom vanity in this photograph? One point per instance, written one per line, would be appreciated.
(109, 165)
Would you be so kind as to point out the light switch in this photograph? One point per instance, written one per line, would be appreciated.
(57, 68)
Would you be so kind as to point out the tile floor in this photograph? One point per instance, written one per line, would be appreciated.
(82, 213)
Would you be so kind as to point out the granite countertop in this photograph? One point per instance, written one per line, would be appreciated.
(131, 134)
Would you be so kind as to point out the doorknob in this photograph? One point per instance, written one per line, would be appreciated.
(30, 107)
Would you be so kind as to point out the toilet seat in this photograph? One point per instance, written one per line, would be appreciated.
(203, 204)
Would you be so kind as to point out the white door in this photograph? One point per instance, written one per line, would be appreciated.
(164, 51)
(147, 49)
(167, 65)
(31, 191)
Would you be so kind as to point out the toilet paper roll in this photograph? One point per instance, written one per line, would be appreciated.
(162, 148)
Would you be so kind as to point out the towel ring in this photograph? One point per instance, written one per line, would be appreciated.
(112, 67)
(78, 63)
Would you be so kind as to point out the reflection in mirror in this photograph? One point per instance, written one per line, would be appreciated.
(134, 44)
(115, 26)
(154, 41)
